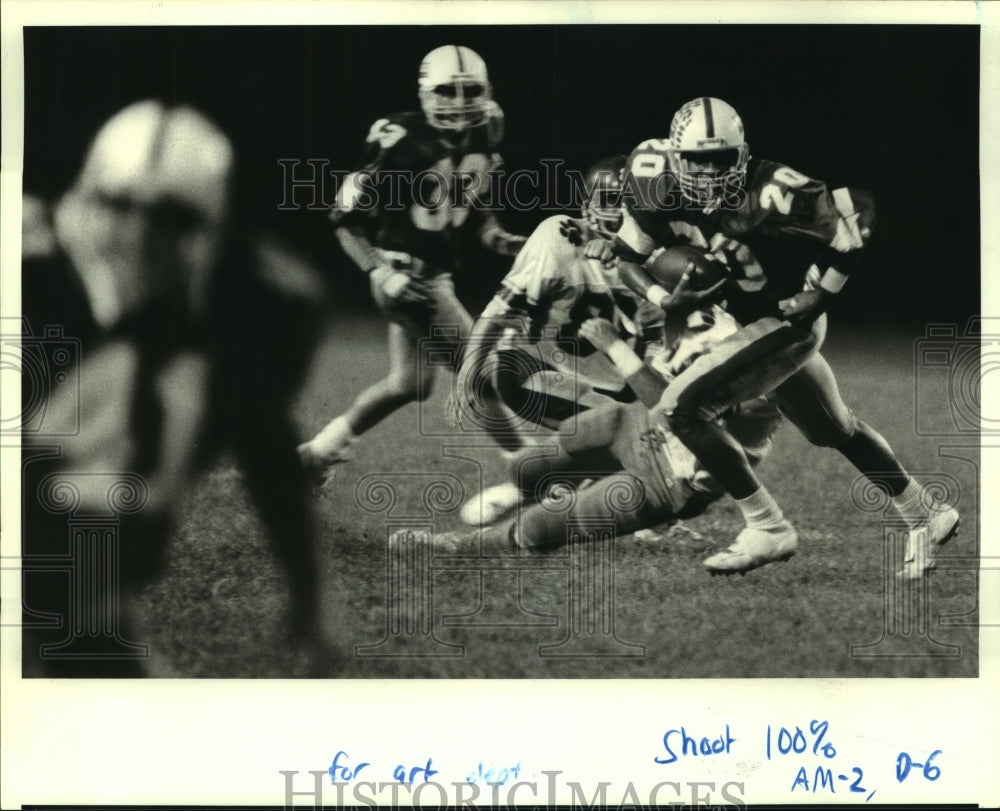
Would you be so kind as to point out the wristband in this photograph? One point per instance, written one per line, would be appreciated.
(655, 295)
(395, 283)
(833, 281)
(625, 359)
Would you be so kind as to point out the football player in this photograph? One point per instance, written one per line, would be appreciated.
(193, 340)
(396, 218)
(790, 242)
(621, 459)
(529, 328)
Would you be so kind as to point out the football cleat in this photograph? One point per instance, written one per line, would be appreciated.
(490, 505)
(922, 543)
(603, 185)
(454, 88)
(320, 468)
(755, 548)
(708, 152)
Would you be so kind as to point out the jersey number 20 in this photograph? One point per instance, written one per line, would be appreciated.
(773, 196)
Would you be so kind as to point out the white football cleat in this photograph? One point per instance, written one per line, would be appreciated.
(320, 467)
(490, 505)
(922, 543)
(754, 548)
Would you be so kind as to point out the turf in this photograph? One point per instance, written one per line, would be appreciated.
(217, 610)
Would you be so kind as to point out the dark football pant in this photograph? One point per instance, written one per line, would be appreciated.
(771, 355)
(411, 376)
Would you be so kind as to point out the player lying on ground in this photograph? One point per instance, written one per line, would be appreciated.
(620, 459)
(791, 243)
(397, 219)
(527, 333)
(194, 338)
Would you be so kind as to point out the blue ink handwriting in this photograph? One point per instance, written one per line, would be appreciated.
(493, 774)
(789, 741)
(342, 772)
(692, 747)
(399, 773)
(904, 763)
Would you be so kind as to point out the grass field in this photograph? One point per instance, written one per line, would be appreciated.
(217, 610)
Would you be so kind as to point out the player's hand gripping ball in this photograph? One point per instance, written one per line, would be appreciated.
(692, 276)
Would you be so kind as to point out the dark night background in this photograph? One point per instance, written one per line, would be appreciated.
(890, 108)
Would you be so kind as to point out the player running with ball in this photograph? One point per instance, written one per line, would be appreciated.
(790, 243)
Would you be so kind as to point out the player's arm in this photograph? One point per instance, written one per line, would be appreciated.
(351, 215)
(393, 283)
(494, 237)
(633, 247)
(515, 305)
(646, 383)
(847, 217)
(841, 220)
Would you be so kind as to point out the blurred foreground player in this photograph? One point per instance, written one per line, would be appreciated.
(193, 340)
(791, 243)
(529, 330)
(397, 219)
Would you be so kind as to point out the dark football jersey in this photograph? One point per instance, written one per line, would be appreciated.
(777, 233)
(417, 185)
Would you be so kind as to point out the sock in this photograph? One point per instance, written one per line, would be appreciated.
(336, 436)
(760, 510)
(910, 506)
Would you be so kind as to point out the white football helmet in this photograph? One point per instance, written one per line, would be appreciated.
(149, 209)
(708, 152)
(454, 89)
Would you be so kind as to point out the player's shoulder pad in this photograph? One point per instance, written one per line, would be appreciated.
(648, 183)
(38, 238)
(561, 234)
(761, 173)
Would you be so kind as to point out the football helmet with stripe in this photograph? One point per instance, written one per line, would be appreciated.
(708, 152)
(454, 88)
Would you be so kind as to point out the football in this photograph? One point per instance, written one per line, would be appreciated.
(669, 265)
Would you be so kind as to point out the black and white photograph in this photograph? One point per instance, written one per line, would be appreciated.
(553, 350)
